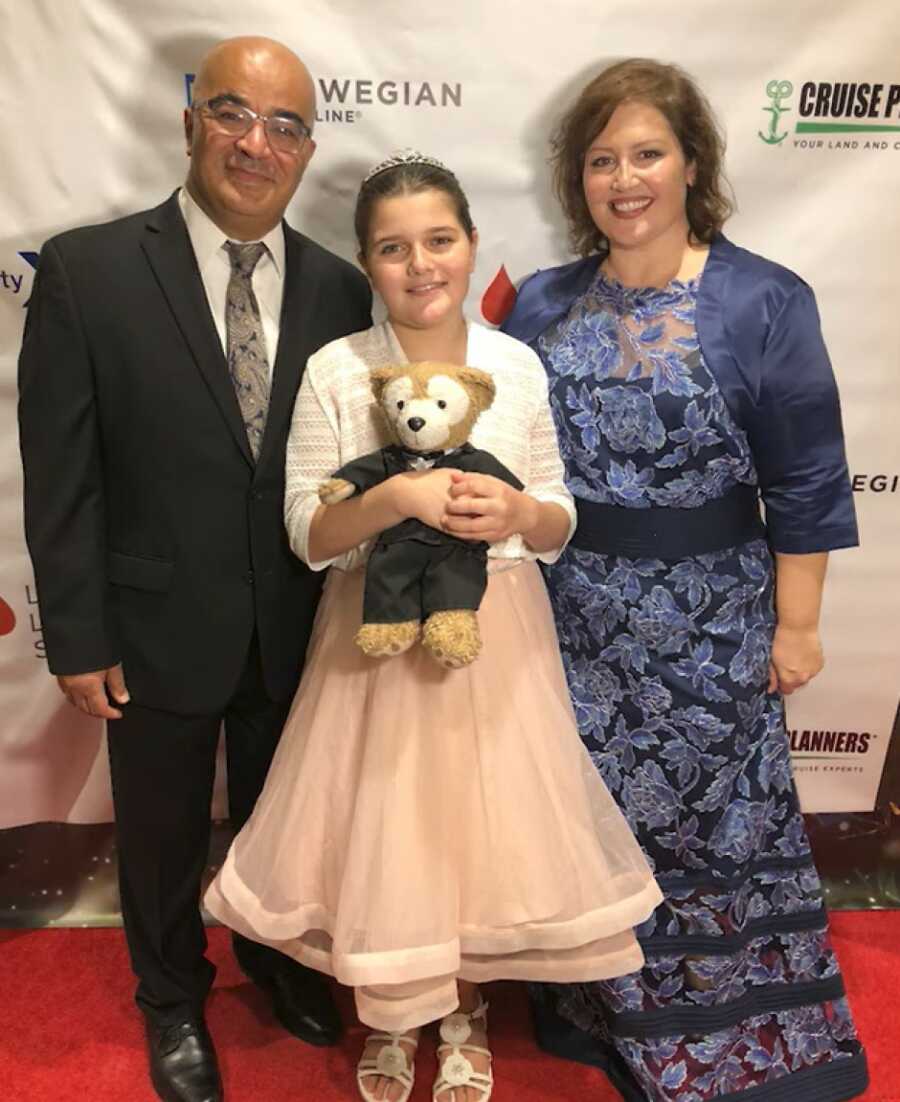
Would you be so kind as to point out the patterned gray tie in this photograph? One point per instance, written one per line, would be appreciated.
(246, 344)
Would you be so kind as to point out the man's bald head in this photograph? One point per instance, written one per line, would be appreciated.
(242, 182)
(255, 53)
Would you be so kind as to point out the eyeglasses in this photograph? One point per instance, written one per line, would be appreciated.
(285, 134)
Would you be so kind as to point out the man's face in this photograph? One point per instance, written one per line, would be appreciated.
(242, 183)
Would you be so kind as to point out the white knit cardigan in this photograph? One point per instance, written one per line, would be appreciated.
(336, 419)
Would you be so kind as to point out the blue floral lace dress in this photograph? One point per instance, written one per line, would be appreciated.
(667, 665)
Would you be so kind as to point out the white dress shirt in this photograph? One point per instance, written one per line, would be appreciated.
(208, 243)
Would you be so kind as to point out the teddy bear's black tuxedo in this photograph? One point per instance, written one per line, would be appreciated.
(415, 570)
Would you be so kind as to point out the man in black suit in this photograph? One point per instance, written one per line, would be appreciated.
(154, 413)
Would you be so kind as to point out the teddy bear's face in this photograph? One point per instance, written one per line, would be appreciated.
(432, 407)
(424, 417)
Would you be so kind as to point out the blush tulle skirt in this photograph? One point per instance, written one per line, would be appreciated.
(421, 825)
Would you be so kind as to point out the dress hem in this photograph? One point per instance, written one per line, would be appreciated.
(504, 954)
(834, 1081)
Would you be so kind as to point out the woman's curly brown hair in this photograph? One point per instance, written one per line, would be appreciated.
(671, 91)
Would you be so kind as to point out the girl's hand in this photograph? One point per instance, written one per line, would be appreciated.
(796, 659)
(422, 494)
(482, 507)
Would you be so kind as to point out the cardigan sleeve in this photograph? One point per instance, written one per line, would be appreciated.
(546, 474)
(527, 445)
(315, 447)
(797, 439)
(365, 472)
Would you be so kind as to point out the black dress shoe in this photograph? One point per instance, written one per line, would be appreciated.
(183, 1065)
(303, 1004)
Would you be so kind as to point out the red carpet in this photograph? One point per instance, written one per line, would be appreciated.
(69, 1033)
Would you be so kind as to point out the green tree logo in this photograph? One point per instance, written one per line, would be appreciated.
(777, 91)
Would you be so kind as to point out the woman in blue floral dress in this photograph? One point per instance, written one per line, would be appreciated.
(688, 378)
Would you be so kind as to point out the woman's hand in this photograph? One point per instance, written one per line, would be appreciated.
(422, 494)
(796, 658)
(796, 650)
(482, 507)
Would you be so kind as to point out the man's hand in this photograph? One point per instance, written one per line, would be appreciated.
(91, 692)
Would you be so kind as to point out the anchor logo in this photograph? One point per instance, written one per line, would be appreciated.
(777, 91)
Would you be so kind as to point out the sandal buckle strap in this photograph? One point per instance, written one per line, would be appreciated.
(455, 1029)
(455, 1068)
(392, 1061)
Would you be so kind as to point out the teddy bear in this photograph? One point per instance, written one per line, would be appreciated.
(422, 582)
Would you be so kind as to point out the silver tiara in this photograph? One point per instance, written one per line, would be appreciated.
(404, 157)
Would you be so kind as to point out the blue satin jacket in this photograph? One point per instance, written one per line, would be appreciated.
(759, 333)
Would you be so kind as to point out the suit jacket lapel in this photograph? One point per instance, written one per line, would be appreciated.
(168, 249)
(296, 339)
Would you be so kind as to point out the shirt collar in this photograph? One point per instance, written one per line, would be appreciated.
(207, 239)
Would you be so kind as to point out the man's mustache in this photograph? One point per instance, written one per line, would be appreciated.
(248, 164)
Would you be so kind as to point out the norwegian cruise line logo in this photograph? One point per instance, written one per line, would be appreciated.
(345, 99)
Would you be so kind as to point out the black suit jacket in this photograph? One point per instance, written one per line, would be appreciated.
(156, 540)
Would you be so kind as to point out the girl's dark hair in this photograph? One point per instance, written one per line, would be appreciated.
(672, 92)
(408, 179)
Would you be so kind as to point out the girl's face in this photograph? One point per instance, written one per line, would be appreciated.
(636, 179)
(419, 258)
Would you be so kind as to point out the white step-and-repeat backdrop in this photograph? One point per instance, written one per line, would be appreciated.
(809, 94)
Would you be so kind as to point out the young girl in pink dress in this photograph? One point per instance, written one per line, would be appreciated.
(423, 830)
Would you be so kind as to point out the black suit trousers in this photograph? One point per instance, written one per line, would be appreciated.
(163, 768)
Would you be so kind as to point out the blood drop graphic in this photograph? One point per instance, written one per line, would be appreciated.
(499, 299)
(7, 618)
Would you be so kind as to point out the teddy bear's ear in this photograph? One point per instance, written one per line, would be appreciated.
(479, 385)
(380, 377)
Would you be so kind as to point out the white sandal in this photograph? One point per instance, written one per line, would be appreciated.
(391, 1062)
(454, 1067)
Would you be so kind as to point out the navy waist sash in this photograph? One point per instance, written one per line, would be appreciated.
(667, 533)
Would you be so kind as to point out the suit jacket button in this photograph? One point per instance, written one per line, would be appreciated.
(249, 578)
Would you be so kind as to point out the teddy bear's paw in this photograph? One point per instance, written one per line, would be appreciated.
(333, 490)
(386, 640)
(452, 638)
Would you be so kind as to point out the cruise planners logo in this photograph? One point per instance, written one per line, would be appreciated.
(851, 115)
(830, 751)
(777, 91)
(829, 742)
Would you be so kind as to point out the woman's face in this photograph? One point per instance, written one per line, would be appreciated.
(635, 179)
(419, 258)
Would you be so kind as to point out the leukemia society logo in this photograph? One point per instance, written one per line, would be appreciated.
(7, 618)
(499, 297)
